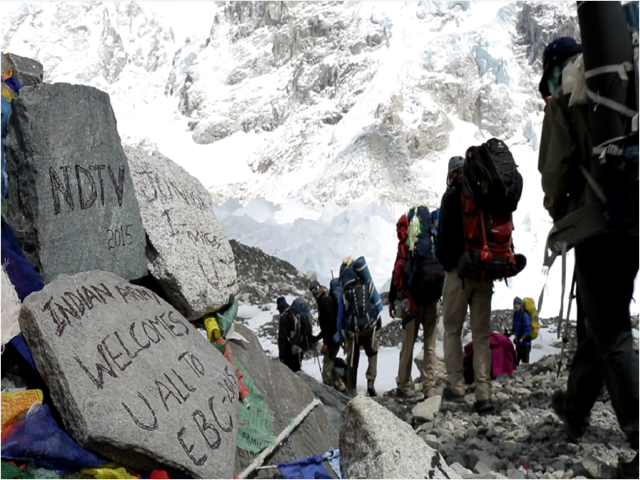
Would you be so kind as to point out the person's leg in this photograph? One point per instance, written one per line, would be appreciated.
(480, 312)
(581, 329)
(525, 353)
(607, 265)
(296, 362)
(518, 354)
(583, 386)
(327, 367)
(332, 353)
(429, 360)
(455, 301)
(353, 357)
(370, 345)
(409, 335)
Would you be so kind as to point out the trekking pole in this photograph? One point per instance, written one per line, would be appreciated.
(565, 336)
(318, 360)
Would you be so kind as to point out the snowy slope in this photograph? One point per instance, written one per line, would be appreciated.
(317, 123)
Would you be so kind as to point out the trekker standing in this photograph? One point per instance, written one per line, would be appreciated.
(457, 295)
(605, 353)
(330, 348)
(521, 328)
(362, 318)
(418, 298)
(285, 353)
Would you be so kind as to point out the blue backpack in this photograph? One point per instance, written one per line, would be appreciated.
(424, 274)
(335, 292)
(362, 303)
(301, 331)
(435, 219)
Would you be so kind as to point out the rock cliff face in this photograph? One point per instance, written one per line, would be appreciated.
(365, 95)
(358, 100)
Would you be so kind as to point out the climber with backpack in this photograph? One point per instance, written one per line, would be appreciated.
(475, 247)
(417, 283)
(362, 307)
(589, 165)
(521, 330)
(285, 354)
(327, 314)
(294, 331)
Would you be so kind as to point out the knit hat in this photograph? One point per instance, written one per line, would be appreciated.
(518, 301)
(456, 163)
(554, 54)
(282, 304)
(313, 286)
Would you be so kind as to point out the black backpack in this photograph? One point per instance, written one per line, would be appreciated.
(360, 310)
(424, 274)
(301, 331)
(610, 46)
(491, 177)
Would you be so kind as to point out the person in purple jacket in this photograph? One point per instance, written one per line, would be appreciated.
(521, 328)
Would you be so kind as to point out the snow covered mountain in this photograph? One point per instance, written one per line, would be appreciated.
(316, 124)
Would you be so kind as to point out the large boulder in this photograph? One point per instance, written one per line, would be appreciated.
(187, 249)
(71, 190)
(132, 379)
(25, 70)
(374, 443)
(333, 402)
(285, 395)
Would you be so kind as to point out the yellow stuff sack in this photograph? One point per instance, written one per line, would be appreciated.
(109, 471)
(530, 307)
(211, 324)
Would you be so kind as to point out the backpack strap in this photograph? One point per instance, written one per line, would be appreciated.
(598, 99)
(592, 183)
(621, 69)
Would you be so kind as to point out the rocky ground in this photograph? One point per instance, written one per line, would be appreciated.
(522, 438)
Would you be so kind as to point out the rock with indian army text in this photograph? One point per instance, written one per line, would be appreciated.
(188, 252)
(133, 381)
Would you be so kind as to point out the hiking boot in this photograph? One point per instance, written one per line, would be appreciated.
(405, 393)
(628, 469)
(573, 431)
(371, 391)
(483, 406)
(448, 395)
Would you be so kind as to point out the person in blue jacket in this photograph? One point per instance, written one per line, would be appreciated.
(521, 328)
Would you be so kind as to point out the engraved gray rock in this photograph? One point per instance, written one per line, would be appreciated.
(187, 249)
(71, 190)
(132, 379)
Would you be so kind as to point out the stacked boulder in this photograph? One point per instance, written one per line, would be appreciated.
(112, 255)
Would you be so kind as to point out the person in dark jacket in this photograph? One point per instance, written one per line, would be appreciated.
(327, 320)
(521, 329)
(605, 353)
(459, 294)
(285, 327)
